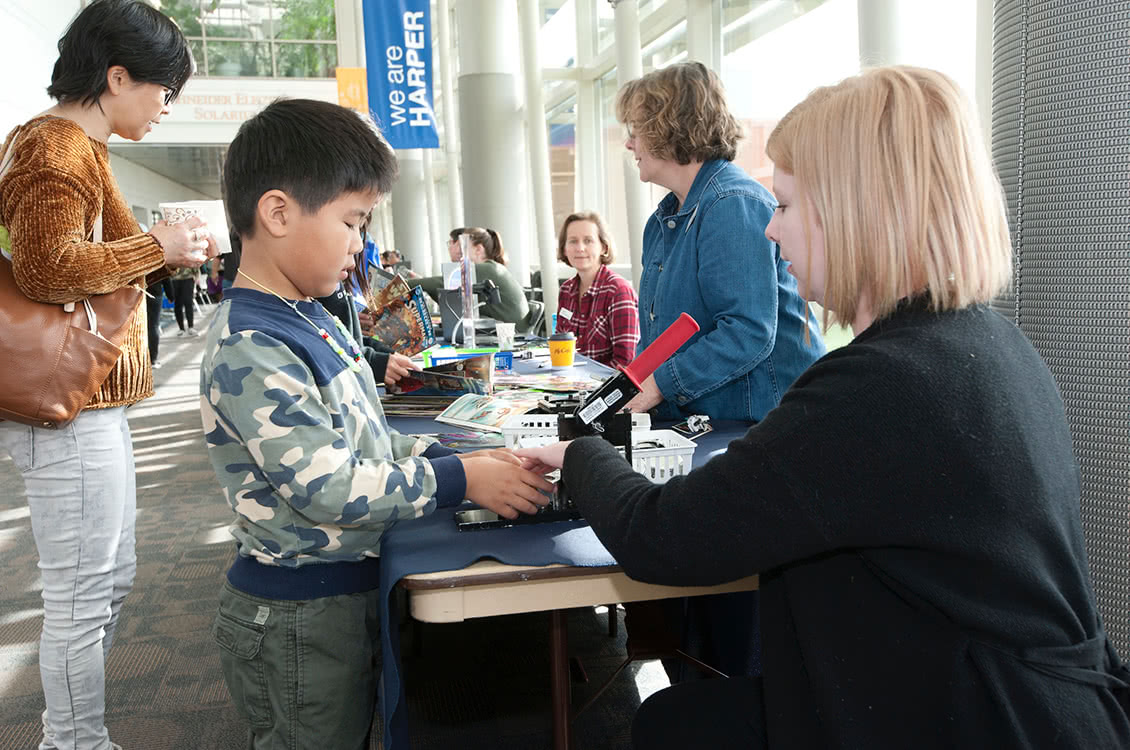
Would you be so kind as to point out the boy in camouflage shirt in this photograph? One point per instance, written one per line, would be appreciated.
(298, 439)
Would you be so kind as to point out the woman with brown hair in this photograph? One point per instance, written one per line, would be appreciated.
(598, 304)
(121, 64)
(489, 257)
(705, 253)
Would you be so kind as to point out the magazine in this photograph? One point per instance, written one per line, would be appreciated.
(384, 288)
(470, 441)
(403, 324)
(470, 375)
(488, 413)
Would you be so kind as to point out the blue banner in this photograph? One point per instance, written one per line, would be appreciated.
(398, 61)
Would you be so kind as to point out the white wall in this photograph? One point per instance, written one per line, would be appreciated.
(144, 187)
(31, 29)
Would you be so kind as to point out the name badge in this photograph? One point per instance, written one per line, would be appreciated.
(566, 313)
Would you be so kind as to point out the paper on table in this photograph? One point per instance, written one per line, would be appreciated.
(212, 212)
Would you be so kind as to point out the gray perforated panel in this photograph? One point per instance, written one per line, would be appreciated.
(1061, 142)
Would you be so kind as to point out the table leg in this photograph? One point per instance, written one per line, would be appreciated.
(559, 679)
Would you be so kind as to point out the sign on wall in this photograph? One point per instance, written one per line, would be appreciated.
(398, 56)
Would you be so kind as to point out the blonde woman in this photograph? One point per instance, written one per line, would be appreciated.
(913, 503)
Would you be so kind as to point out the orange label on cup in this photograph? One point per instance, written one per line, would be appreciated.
(561, 352)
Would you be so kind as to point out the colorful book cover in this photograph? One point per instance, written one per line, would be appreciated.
(487, 413)
(404, 325)
(471, 375)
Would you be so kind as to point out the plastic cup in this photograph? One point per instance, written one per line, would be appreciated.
(505, 334)
(562, 345)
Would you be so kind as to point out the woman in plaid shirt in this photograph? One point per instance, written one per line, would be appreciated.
(598, 305)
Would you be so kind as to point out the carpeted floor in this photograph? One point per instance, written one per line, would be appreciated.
(479, 684)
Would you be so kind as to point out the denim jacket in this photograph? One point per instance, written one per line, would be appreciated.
(710, 258)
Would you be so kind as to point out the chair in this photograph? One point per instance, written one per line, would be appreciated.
(533, 319)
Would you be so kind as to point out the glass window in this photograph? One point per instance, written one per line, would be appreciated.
(288, 38)
(561, 125)
(557, 39)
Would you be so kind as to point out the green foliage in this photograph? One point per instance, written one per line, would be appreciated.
(307, 19)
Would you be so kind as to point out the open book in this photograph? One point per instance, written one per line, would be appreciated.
(488, 413)
(470, 375)
(402, 322)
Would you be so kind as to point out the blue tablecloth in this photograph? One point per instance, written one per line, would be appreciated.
(434, 543)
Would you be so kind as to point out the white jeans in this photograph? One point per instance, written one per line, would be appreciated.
(81, 492)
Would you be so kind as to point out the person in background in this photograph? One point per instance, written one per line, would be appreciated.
(912, 505)
(345, 304)
(597, 305)
(392, 260)
(214, 289)
(153, 304)
(231, 260)
(489, 258)
(184, 289)
(121, 65)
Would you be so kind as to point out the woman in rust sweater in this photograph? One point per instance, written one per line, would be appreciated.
(120, 65)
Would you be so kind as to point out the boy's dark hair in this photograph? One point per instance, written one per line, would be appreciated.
(140, 38)
(313, 151)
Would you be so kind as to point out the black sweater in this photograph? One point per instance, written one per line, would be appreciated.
(913, 508)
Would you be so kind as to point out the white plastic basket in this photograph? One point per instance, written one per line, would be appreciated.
(545, 425)
(671, 457)
(667, 453)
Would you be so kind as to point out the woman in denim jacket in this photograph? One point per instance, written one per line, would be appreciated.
(705, 253)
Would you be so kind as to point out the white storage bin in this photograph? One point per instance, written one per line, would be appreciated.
(657, 454)
(545, 425)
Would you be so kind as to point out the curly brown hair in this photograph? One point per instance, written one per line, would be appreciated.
(680, 113)
(607, 253)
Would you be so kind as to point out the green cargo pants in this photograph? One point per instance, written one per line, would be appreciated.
(303, 673)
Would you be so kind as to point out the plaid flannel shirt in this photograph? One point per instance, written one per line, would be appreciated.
(605, 320)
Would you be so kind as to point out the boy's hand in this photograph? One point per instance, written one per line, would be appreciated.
(544, 458)
(398, 366)
(496, 481)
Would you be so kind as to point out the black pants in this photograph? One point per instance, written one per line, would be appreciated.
(720, 714)
(153, 313)
(183, 289)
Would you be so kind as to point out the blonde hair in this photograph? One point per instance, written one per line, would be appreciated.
(607, 253)
(680, 113)
(892, 163)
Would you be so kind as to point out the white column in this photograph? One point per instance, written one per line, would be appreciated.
(538, 148)
(350, 23)
(629, 66)
(588, 168)
(435, 245)
(490, 125)
(447, 96)
(879, 23)
(704, 33)
(409, 209)
(983, 85)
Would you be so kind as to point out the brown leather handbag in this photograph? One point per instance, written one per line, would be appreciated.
(56, 357)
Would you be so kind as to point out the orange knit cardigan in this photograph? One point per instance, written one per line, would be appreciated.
(57, 185)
